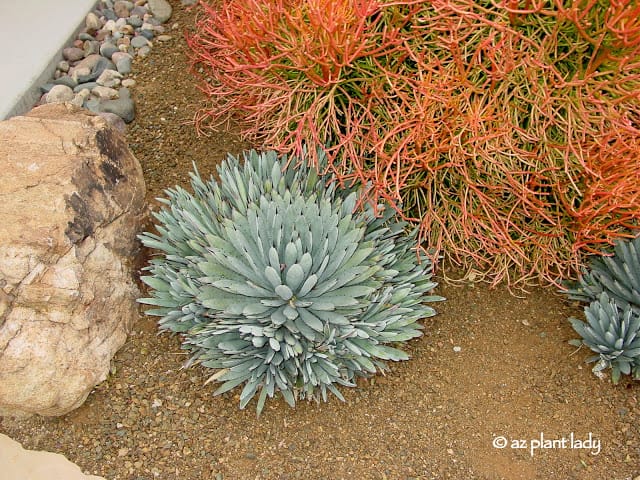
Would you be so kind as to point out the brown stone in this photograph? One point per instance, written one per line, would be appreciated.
(20, 464)
(70, 214)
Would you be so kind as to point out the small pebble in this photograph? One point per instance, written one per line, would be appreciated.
(148, 34)
(66, 80)
(102, 35)
(127, 30)
(91, 47)
(139, 42)
(161, 10)
(92, 22)
(116, 122)
(138, 11)
(144, 51)
(110, 26)
(78, 100)
(134, 21)
(88, 62)
(116, 57)
(109, 14)
(164, 38)
(109, 78)
(105, 92)
(88, 86)
(122, 8)
(73, 54)
(63, 66)
(128, 82)
(81, 74)
(107, 49)
(59, 93)
(123, 65)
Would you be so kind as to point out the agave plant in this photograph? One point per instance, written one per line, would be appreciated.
(617, 275)
(613, 334)
(277, 282)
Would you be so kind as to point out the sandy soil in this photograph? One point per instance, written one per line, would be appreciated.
(491, 369)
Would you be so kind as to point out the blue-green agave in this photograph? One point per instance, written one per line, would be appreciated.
(614, 334)
(278, 282)
(617, 275)
(612, 287)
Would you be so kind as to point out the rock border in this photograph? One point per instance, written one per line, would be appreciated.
(95, 70)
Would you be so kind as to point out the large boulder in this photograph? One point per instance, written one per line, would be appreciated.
(20, 464)
(71, 204)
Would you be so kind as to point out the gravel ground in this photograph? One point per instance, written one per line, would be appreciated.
(491, 367)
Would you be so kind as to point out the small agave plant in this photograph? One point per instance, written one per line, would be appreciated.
(613, 334)
(617, 275)
(277, 282)
(612, 286)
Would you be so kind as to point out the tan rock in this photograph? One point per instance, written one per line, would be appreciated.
(69, 219)
(105, 92)
(20, 464)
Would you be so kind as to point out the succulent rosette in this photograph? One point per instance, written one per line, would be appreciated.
(275, 280)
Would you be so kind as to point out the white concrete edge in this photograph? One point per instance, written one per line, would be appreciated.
(24, 99)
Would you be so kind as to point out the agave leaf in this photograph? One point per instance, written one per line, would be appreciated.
(340, 300)
(274, 344)
(272, 302)
(290, 312)
(247, 393)
(255, 309)
(274, 259)
(610, 338)
(336, 392)
(278, 317)
(322, 304)
(217, 375)
(354, 291)
(149, 242)
(288, 397)
(332, 317)
(261, 401)
(156, 283)
(284, 292)
(259, 342)
(294, 276)
(306, 331)
(615, 374)
(308, 285)
(311, 320)
(241, 288)
(159, 302)
(290, 254)
(212, 269)
(233, 346)
(273, 276)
